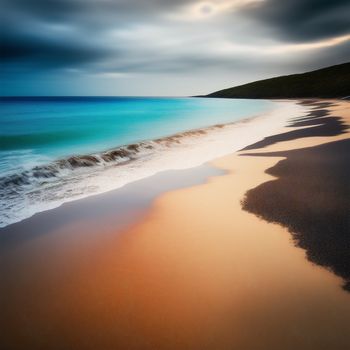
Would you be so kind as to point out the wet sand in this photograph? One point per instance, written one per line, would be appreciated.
(194, 272)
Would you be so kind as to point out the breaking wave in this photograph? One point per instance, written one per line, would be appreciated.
(49, 185)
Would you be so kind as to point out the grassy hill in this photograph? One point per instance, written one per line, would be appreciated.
(330, 82)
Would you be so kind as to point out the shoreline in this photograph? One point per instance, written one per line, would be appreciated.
(195, 271)
(310, 193)
(49, 186)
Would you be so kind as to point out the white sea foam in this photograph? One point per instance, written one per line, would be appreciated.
(47, 187)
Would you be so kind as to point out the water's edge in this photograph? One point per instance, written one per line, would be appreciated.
(48, 186)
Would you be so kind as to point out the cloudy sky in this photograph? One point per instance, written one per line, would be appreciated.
(164, 47)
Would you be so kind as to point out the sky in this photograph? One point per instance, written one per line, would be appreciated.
(164, 47)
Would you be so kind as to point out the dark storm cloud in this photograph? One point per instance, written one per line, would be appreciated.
(36, 51)
(116, 37)
(303, 20)
(60, 33)
(42, 8)
(32, 49)
(97, 10)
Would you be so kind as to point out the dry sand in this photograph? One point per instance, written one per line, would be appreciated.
(226, 279)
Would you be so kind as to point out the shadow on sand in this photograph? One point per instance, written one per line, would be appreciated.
(311, 195)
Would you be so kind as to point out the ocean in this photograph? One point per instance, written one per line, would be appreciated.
(58, 149)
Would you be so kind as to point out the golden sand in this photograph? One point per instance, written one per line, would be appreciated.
(196, 273)
(218, 276)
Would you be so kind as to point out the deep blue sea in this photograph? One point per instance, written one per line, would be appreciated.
(58, 149)
(38, 129)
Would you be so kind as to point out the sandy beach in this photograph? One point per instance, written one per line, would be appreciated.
(190, 268)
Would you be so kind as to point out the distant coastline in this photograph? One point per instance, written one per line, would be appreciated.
(329, 82)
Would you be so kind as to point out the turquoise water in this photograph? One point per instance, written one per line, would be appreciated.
(36, 130)
(54, 150)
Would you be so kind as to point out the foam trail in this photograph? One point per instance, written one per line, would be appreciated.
(47, 186)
